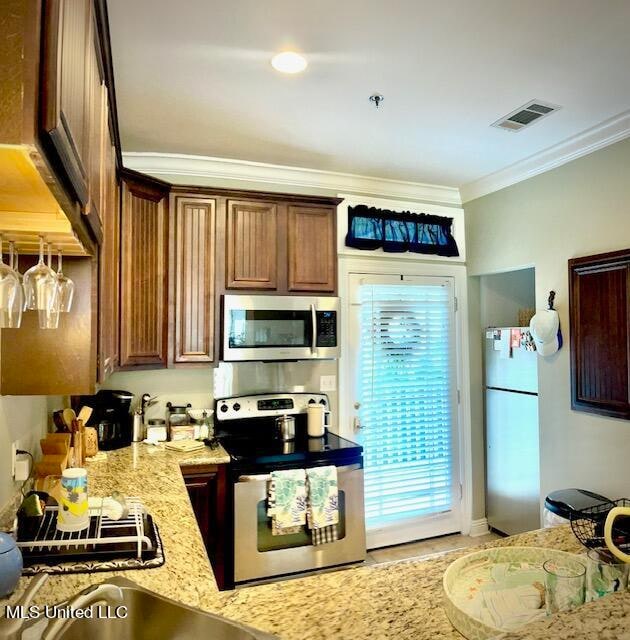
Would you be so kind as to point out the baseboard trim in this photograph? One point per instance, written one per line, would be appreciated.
(479, 528)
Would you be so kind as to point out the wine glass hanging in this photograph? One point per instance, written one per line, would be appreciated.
(40, 289)
(11, 295)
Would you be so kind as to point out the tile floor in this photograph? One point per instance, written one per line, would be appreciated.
(427, 547)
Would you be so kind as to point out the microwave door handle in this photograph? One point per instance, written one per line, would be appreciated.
(313, 330)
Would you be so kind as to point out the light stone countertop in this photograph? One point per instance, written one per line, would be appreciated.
(399, 600)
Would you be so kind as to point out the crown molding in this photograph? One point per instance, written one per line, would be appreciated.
(602, 135)
(170, 165)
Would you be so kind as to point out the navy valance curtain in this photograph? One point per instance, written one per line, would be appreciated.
(397, 232)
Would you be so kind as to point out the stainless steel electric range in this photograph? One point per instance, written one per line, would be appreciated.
(245, 426)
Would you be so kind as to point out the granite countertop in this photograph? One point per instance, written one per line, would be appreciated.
(401, 599)
(154, 475)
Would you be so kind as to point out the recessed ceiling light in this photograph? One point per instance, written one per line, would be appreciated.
(289, 62)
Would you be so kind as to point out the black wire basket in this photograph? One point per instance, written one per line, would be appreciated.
(588, 525)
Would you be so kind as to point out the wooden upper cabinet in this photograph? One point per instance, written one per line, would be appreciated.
(55, 362)
(312, 250)
(193, 271)
(109, 272)
(252, 245)
(65, 104)
(144, 315)
(600, 331)
(99, 139)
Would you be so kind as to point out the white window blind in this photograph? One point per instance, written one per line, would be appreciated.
(406, 405)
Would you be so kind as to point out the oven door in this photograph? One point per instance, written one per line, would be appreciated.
(259, 554)
(279, 328)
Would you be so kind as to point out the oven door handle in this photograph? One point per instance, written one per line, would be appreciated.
(313, 329)
(266, 477)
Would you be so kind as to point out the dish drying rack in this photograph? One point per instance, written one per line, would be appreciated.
(588, 525)
(103, 537)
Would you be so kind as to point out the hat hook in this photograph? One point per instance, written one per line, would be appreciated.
(552, 296)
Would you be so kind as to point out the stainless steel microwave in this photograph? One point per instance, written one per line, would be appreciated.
(280, 328)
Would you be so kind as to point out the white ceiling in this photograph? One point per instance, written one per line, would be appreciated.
(194, 77)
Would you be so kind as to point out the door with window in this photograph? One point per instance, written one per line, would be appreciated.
(402, 351)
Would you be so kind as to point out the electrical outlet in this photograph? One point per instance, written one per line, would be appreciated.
(327, 383)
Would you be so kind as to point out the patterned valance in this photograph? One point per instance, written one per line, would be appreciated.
(399, 231)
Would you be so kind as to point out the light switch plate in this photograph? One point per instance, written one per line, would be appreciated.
(327, 383)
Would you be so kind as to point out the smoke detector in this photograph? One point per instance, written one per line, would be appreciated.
(526, 115)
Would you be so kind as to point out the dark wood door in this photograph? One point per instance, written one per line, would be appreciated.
(144, 317)
(600, 334)
(65, 105)
(252, 245)
(193, 262)
(312, 251)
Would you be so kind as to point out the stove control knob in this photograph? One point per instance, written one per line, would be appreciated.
(236, 406)
(322, 401)
(311, 401)
(223, 408)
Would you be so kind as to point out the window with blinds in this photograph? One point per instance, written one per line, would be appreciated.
(406, 406)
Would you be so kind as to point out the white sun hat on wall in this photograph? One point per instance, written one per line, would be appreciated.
(545, 329)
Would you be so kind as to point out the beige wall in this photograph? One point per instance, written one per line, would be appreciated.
(578, 209)
(23, 419)
(503, 295)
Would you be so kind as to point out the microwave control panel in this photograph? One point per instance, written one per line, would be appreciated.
(326, 328)
(266, 405)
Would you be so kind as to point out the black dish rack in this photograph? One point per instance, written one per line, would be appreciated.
(588, 525)
(133, 542)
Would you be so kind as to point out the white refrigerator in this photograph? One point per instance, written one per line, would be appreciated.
(512, 449)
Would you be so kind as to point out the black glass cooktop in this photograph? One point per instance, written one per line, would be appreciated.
(330, 449)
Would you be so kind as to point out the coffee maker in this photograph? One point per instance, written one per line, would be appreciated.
(111, 417)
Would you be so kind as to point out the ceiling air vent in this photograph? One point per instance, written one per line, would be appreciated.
(525, 115)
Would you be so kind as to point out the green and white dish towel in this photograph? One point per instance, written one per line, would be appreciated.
(287, 500)
(323, 497)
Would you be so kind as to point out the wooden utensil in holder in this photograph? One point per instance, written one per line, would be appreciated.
(77, 442)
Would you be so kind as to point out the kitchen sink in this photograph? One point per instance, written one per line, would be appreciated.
(153, 617)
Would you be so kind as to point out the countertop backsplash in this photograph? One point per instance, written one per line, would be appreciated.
(201, 386)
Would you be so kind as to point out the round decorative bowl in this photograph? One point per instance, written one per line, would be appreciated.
(467, 577)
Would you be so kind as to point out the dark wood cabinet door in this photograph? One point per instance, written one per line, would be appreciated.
(600, 334)
(65, 105)
(98, 131)
(207, 490)
(109, 268)
(202, 493)
(194, 279)
(144, 317)
(252, 245)
(312, 251)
